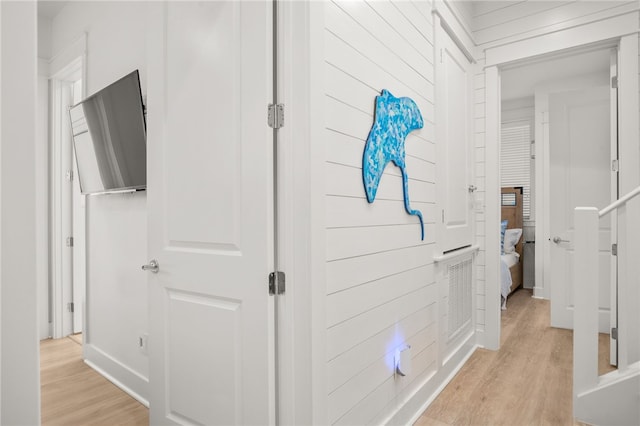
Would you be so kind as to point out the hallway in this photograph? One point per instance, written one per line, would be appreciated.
(528, 381)
(74, 394)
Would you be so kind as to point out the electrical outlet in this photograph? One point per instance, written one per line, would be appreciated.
(142, 342)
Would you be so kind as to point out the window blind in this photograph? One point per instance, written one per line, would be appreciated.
(515, 162)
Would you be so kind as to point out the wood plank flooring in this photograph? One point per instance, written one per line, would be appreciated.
(527, 382)
(74, 394)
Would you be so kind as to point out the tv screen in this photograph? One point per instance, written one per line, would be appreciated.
(109, 138)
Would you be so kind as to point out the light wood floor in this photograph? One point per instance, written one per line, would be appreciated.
(74, 394)
(527, 382)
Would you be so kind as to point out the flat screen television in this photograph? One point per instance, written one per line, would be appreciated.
(109, 138)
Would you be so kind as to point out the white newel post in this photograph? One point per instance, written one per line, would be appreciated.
(585, 316)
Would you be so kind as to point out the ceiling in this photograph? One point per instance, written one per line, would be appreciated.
(49, 9)
(521, 82)
(518, 82)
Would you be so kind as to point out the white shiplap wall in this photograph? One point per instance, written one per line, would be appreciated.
(381, 286)
(500, 22)
(518, 111)
(481, 165)
(381, 291)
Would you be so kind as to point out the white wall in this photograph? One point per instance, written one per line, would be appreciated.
(42, 177)
(116, 224)
(19, 354)
(42, 201)
(44, 37)
(381, 289)
(519, 110)
(463, 10)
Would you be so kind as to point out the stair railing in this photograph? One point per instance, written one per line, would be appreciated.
(586, 277)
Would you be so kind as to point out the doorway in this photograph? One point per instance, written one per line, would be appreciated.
(67, 268)
(565, 102)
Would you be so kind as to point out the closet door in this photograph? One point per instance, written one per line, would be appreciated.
(210, 232)
(454, 81)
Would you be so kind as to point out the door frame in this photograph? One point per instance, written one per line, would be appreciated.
(301, 230)
(66, 68)
(621, 31)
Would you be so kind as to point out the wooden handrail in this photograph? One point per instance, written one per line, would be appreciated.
(611, 207)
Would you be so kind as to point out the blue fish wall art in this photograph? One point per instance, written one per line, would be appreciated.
(394, 119)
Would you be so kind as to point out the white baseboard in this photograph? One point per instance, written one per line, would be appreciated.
(538, 293)
(409, 412)
(130, 381)
(480, 337)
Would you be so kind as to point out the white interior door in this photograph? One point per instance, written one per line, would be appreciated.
(615, 194)
(455, 161)
(580, 175)
(209, 201)
(62, 212)
(67, 211)
(79, 234)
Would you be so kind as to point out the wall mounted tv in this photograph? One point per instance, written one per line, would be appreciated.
(109, 138)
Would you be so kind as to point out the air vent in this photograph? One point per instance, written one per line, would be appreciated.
(460, 279)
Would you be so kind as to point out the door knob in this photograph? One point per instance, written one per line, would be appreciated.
(559, 240)
(152, 266)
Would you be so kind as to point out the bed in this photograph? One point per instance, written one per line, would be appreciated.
(511, 242)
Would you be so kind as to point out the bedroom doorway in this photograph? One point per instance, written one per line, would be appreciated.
(533, 93)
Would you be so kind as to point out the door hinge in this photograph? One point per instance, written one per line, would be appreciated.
(614, 82)
(69, 175)
(276, 283)
(615, 165)
(69, 241)
(70, 307)
(614, 249)
(614, 333)
(275, 116)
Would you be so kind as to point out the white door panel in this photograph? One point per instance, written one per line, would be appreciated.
(580, 175)
(79, 254)
(455, 167)
(79, 234)
(210, 220)
(613, 129)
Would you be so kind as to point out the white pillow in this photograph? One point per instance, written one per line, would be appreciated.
(511, 238)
